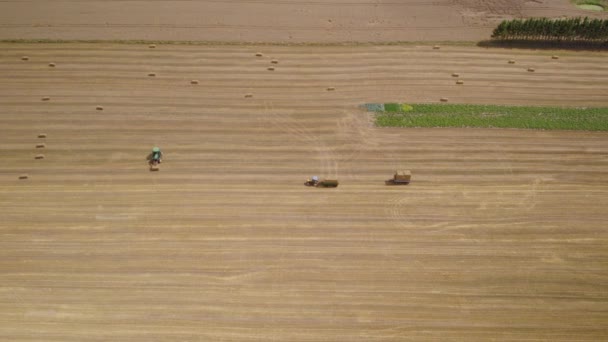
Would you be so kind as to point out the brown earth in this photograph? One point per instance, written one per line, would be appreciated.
(271, 20)
(500, 236)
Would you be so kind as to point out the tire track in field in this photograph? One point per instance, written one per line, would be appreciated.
(328, 165)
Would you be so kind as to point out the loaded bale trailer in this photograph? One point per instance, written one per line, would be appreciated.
(402, 177)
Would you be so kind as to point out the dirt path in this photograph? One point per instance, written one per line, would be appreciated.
(501, 234)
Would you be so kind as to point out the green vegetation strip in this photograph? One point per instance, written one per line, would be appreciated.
(488, 116)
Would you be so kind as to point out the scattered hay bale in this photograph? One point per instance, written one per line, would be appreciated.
(248, 95)
(41, 145)
(46, 98)
(152, 74)
(99, 108)
(42, 135)
(436, 47)
(258, 54)
(152, 46)
(554, 57)
(455, 74)
(39, 156)
(331, 88)
(194, 82)
(25, 58)
(23, 176)
(270, 68)
(443, 99)
(274, 61)
(460, 82)
(52, 65)
(511, 61)
(530, 69)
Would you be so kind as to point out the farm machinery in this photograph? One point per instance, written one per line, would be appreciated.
(155, 158)
(400, 178)
(325, 183)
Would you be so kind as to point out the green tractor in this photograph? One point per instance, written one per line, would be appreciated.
(155, 158)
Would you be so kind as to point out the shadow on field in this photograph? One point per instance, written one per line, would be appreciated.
(546, 44)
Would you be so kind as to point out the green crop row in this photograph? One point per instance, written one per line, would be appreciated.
(487, 116)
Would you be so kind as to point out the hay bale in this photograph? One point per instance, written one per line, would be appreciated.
(270, 68)
(511, 61)
(39, 156)
(530, 69)
(41, 145)
(258, 54)
(554, 57)
(248, 95)
(25, 58)
(455, 74)
(23, 176)
(274, 61)
(52, 65)
(331, 88)
(436, 47)
(152, 74)
(194, 82)
(460, 82)
(99, 108)
(46, 98)
(443, 99)
(42, 135)
(152, 46)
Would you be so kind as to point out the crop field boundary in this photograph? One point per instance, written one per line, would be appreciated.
(234, 43)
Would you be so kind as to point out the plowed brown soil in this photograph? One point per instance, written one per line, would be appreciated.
(271, 20)
(500, 236)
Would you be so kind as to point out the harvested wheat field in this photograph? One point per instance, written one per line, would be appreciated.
(500, 236)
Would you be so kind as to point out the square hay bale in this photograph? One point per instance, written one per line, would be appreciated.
(455, 74)
(554, 57)
(436, 47)
(194, 82)
(46, 98)
(443, 99)
(25, 58)
(248, 95)
(403, 175)
(52, 65)
(42, 135)
(274, 61)
(331, 88)
(530, 69)
(39, 156)
(270, 68)
(23, 176)
(511, 61)
(460, 82)
(99, 108)
(258, 54)
(152, 74)
(41, 145)
(152, 46)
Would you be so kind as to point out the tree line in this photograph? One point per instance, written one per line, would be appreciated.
(568, 29)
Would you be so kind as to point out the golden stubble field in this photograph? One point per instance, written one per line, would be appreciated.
(500, 236)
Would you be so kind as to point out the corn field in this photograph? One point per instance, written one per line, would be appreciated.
(569, 29)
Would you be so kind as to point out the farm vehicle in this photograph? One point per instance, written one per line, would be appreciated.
(325, 183)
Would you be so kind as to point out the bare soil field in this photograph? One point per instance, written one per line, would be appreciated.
(271, 20)
(500, 236)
